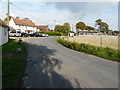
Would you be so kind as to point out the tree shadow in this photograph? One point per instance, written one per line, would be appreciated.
(41, 69)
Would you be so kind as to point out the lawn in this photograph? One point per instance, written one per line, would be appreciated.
(12, 64)
(106, 53)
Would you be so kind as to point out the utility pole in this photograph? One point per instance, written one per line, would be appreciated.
(54, 23)
(8, 12)
(8, 15)
(72, 27)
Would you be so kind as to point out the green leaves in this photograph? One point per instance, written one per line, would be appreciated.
(103, 26)
(106, 53)
(65, 28)
(81, 25)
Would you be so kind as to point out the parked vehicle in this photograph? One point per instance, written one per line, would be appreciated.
(15, 33)
(24, 34)
(32, 34)
(46, 35)
(38, 35)
(71, 34)
(41, 35)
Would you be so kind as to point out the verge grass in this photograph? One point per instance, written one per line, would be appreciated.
(12, 65)
(106, 53)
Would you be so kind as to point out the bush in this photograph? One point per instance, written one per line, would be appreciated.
(106, 53)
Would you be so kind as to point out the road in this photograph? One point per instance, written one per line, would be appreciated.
(55, 66)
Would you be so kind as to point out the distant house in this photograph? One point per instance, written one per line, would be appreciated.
(42, 28)
(88, 32)
(23, 25)
(4, 28)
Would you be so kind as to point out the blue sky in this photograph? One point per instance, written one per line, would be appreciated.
(71, 12)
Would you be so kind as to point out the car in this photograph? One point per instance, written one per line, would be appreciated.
(24, 34)
(43, 35)
(32, 34)
(46, 35)
(38, 35)
(15, 33)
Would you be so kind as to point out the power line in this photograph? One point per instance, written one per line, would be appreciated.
(23, 11)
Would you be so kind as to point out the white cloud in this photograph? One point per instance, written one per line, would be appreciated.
(62, 0)
(45, 13)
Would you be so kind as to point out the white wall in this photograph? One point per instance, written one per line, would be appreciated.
(12, 24)
(21, 27)
(3, 35)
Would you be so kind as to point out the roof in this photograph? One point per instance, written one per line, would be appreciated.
(22, 22)
(42, 26)
(3, 23)
(12, 28)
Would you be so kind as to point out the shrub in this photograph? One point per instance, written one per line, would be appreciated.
(106, 53)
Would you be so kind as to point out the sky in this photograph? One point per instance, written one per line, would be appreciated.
(54, 12)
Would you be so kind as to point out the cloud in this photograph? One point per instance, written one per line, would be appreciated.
(72, 12)
(62, 0)
(90, 11)
(84, 7)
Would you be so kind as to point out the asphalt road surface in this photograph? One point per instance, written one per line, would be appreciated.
(51, 65)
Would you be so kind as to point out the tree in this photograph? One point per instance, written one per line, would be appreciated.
(58, 28)
(26, 18)
(103, 27)
(81, 25)
(90, 28)
(66, 28)
(17, 17)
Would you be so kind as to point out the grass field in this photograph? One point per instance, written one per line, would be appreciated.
(106, 53)
(12, 63)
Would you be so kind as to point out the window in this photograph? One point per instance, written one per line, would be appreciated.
(18, 32)
(13, 32)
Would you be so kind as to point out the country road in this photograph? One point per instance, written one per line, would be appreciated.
(55, 66)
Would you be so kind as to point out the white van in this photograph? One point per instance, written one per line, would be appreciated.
(15, 33)
(71, 34)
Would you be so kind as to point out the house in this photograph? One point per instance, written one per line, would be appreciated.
(42, 28)
(88, 32)
(12, 29)
(23, 25)
(4, 28)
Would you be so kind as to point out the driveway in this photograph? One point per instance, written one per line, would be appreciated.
(51, 65)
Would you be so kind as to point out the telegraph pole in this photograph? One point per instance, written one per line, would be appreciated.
(8, 12)
(8, 15)
(54, 22)
(72, 27)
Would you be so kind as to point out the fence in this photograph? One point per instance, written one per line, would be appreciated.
(96, 40)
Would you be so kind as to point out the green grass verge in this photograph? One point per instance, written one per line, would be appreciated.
(12, 66)
(106, 53)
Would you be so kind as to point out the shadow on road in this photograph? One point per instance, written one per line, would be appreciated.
(41, 69)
